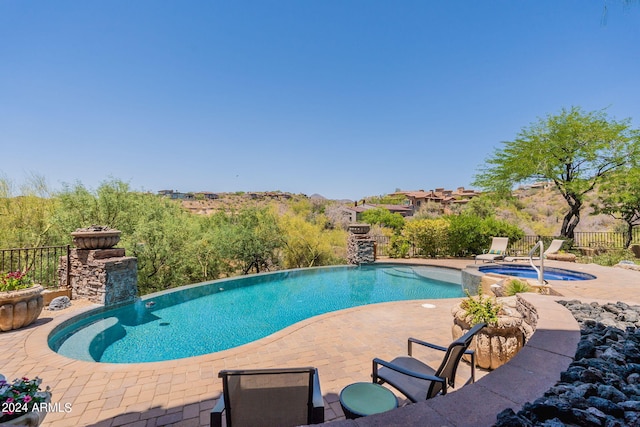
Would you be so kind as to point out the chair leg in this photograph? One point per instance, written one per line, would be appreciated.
(473, 368)
(216, 413)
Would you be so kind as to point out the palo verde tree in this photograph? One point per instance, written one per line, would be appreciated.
(576, 150)
(251, 239)
(620, 198)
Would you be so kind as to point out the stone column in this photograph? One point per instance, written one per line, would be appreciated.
(360, 246)
(102, 275)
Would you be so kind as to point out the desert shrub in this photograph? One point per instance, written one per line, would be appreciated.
(307, 244)
(494, 227)
(429, 236)
(471, 234)
(383, 217)
(481, 309)
(399, 247)
(465, 235)
(609, 258)
(516, 286)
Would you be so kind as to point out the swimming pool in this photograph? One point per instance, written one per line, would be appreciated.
(528, 272)
(214, 316)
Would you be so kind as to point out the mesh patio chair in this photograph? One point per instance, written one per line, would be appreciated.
(269, 397)
(419, 381)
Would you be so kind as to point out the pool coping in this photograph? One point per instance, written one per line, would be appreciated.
(538, 365)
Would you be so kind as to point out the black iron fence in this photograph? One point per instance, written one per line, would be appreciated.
(41, 264)
(601, 240)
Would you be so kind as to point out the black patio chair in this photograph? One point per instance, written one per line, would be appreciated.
(417, 380)
(269, 397)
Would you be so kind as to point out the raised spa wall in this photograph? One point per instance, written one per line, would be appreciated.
(472, 279)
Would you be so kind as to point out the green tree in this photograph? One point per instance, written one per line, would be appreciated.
(620, 198)
(160, 241)
(307, 244)
(25, 215)
(483, 206)
(164, 237)
(252, 239)
(112, 204)
(575, 150)
(383, 217)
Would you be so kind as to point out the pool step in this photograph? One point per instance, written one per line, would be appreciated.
(89, 342)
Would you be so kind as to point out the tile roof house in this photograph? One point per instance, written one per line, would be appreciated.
(355, 212)
(445, 198)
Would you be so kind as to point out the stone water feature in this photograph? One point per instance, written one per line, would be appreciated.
(99, 272)
(361, 248)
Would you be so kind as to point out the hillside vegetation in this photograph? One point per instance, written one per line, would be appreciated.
(539, 211)
(180, 242)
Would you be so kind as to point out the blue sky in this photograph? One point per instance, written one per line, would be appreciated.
(345, 98)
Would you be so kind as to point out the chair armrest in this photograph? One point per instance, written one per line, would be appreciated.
(423, 343)
(404, 371)
(318, 402)
(216, 413)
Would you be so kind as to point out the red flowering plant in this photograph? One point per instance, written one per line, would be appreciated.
(15, 280)
(20, 397)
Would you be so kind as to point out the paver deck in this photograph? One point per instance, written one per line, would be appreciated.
(182, 392)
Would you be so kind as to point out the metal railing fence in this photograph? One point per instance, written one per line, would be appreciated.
(41, 264)
(584, 239)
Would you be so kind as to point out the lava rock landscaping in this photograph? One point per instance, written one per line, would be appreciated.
(601, 387)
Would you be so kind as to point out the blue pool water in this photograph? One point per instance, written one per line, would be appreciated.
(528, 272)
(219, 315)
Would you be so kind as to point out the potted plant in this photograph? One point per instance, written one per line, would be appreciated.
(22, 403)
(21, 300)
(503, 336)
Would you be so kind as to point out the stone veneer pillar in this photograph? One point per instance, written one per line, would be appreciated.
(103, 276)
(361, 249)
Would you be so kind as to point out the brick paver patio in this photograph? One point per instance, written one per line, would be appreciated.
(182, 392)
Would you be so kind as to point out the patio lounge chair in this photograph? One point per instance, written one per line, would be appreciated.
(269, 397)
(553, 248)
(497, 250)
(419, 381)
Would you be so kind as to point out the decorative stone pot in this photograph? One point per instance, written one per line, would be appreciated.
(359, 228)
(636, 250)
(30, 419)
(494, 345)
(20, 308)
(95, 237)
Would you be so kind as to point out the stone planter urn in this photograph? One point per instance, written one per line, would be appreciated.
(20, 308)
(30, 419)
(95, 237)
(496, 344)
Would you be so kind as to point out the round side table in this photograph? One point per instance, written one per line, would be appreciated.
(362, 399)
